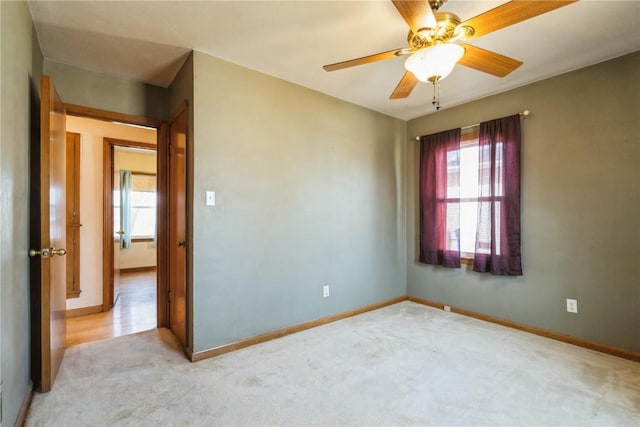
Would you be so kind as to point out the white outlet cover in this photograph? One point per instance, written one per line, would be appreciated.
(572, 305)
(211, 198)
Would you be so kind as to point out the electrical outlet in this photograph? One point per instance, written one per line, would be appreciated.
(325, 291)
(572, 305)
(446, 308)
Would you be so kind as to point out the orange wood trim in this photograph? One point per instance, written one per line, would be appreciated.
(46, 105)
(226, 348)
(74, 294)
(162, 235)
(24, 408)
(181, 108)
(426, 302)
(83, 311)
(107, 225)
(73, 214)
(138, 269)
(177, 223)
(602, 348)
(110, 116)
(470, 138)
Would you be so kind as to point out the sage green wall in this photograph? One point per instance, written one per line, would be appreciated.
(21, 66)
(91, 89)
(309, 193)
(580, 207)
(181, 88)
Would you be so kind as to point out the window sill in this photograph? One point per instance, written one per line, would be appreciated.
(468, 261)
(142, 239)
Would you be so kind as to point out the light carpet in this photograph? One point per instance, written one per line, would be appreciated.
(405, 364)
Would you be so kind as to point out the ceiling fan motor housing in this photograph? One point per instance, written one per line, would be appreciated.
(448, 30)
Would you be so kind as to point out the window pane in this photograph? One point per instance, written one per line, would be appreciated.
(143, 199)
(463, 183)
(453, 175)
(143, 222)
(484, 239)
(453, 232)
(116, 219)
(469, 172)
(468, 220)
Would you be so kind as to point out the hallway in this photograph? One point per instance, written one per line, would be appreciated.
(135, 311)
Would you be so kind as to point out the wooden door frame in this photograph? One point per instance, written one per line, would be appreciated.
(108, 261)
(186, 341)
(162, 191)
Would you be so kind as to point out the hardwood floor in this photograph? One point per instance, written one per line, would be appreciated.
(135, 311)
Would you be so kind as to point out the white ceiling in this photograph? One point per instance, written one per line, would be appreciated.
(292, 40)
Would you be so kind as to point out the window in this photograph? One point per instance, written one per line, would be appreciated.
(470, 197)
(142, 207)
(463, 195)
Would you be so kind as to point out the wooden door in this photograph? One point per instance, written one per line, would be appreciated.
(51, 292)
(117, 232)
(177, 265)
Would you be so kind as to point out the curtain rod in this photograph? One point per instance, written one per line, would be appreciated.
(524, 113)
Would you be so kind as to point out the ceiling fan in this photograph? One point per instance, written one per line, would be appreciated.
(436, 41)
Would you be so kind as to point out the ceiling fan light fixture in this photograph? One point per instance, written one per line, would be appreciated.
(434, 63)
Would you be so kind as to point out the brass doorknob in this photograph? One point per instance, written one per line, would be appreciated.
(120, 232)
(60, 252)
(44, 253)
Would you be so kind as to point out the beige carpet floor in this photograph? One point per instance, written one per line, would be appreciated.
(405, 364)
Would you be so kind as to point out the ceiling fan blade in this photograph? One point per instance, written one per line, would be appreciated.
(364, 60)
(488, 61)
(405, 86)
(417, 14)
(510, 13)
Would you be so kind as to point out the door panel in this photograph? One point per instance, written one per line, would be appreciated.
(117, 232)
(177, 224)
(52, 289)
(73, 214)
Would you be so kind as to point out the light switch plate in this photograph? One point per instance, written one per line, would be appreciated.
(211, 198)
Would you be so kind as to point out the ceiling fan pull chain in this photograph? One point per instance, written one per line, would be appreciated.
(436, 95)
(434, 101)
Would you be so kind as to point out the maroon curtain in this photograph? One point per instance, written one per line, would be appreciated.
(439, 210)
(498, 235)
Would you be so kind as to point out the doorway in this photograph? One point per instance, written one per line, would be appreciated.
(49, 289)
(118, 281)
